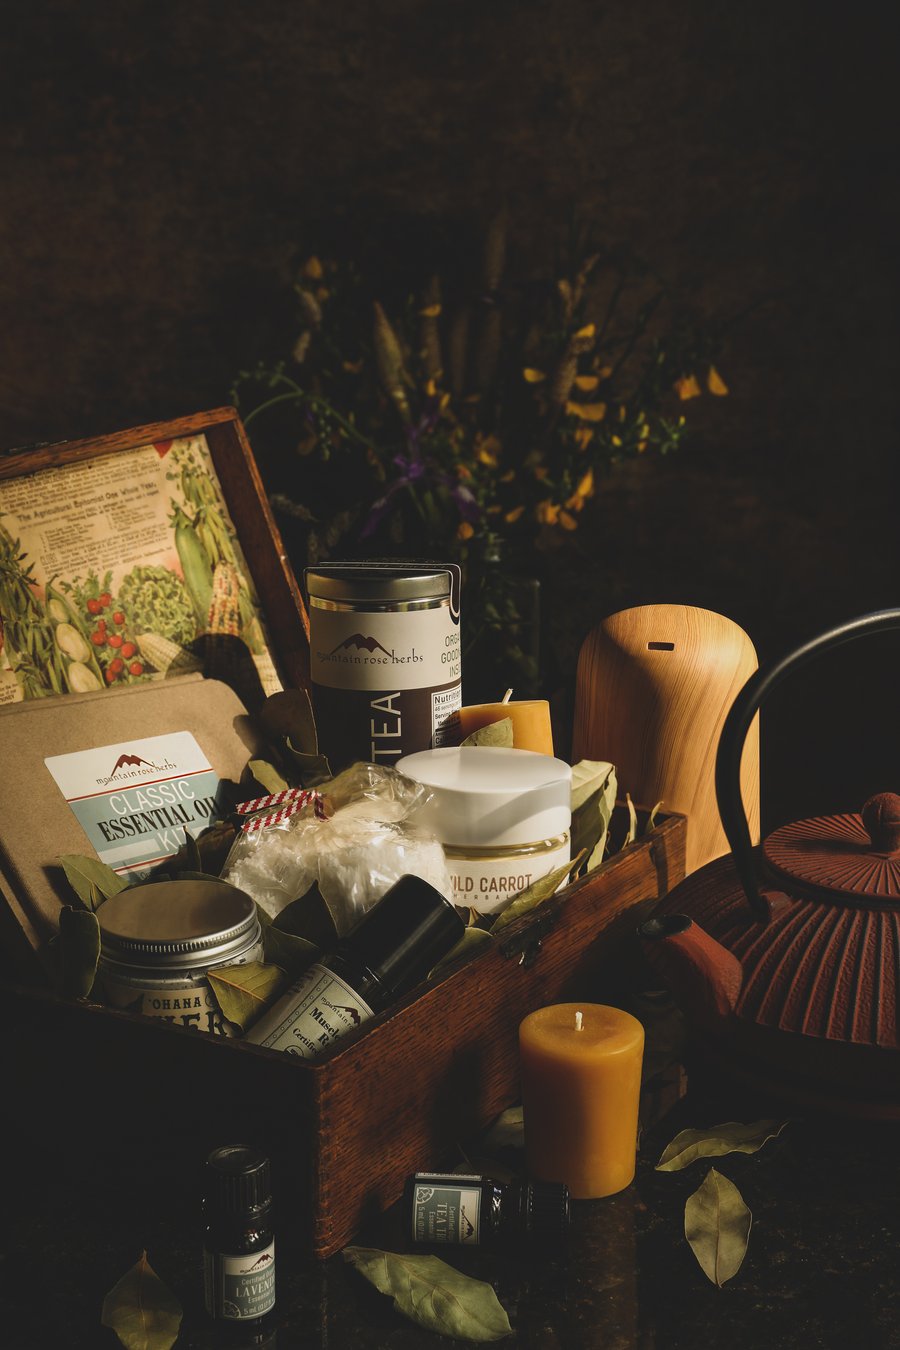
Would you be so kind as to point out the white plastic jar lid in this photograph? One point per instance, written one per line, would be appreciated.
(489, 796)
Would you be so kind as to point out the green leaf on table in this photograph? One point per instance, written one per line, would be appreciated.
(309, 918)
(594, 789)
(495, 733)
(732, 1137)
(433, 1294)
(632, 821)
(244, 992)
(651, 819)
(471, 938)
(293, 954)
(717, 1227)
(507, 1131)
(536, 893)
(83, 873)
(141, 1310)
(268, 776)
(79, 950)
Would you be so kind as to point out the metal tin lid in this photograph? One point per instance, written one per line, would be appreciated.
(177, 924)
(378, 585)
(489, 796)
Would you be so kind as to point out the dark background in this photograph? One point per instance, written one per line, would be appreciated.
(166, 165)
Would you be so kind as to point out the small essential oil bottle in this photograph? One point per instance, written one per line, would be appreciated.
(390, 950)
(238, 1247)
(447, 1207)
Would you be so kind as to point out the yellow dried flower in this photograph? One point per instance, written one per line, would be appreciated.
(488, 451)
(641, 446)
(585, 486)
(715, 384)
(547, 512)
(312, 269)
(533, 376)
(583, 437)
(512, 516)
(508, 476)
(587, 331)
(430, 312)
(617, 440)
(586, 382)
(687, 387)
(567, 522)
(464, 530)
(540, 472)
(588, 412)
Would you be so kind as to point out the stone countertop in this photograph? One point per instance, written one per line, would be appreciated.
(821, 1269)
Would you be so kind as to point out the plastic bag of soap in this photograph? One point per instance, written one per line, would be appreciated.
(354, 839)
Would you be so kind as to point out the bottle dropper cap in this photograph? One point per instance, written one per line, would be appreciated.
(238, 1180)
(402, 937)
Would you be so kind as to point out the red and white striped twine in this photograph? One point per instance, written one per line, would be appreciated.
(289, 802)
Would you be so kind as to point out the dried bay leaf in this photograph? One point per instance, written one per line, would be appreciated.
(471, 938)
(309, 918)
(536, 893)
(632, 821)
(141, 1310)
(244, 992)
(593, 797)
(289, 714)
(308, 771)
(433, 1294)
(651, 819)
(495, 733)
(79, 950)
(82, 873)
(507, 1131)
(293, 954)
(192, 853)
(268, 776)
(732, 1137)
(717, 1227)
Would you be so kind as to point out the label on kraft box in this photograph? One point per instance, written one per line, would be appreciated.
(134, 800)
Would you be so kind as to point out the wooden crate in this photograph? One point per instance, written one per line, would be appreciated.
(344, 1131)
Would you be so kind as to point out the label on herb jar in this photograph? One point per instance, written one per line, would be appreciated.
(316, 1010)
(489, 884)
(443, 1213)
(239, 1287)
(187, 1005)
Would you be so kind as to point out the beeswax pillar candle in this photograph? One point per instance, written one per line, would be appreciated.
(581, 1079)
(530, 720)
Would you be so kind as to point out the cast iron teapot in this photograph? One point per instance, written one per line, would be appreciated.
(786, 960)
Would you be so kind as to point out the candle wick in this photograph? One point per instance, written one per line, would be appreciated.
(579, 1021)
(507, 696)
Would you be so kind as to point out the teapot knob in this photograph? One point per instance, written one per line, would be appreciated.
(881, 820)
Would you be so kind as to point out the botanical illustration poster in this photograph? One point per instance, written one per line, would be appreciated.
(112, 570)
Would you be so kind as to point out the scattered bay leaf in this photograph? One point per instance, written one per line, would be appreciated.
(79, 950)
(495, 733)
(507, 1131)
(732, 1137)
(141, 1310)
(536, 893)
(293, 954)
(433, 1294)
(651, 819)
(309, 918)
(289, 714)
(471, 938)
(593, 798)
(192, 853)
(244, 992)
(268, 776)
(717, 1226)
(83, 873)
(308, 771)
(632, 821)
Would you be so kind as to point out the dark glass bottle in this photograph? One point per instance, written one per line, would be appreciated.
(447, 1207)
(238, 1246)
(390, 951)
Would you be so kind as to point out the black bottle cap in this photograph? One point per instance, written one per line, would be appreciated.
(238, 1180)
(547, 1210)
(405, 934)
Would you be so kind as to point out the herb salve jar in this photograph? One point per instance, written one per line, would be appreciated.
(158, 941)
(502, 815)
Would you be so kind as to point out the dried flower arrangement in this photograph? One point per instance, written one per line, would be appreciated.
(492, 413)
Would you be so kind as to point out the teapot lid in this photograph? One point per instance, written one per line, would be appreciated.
(852, 858)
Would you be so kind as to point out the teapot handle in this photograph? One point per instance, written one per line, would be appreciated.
(734, 734)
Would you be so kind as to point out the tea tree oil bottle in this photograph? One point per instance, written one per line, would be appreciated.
(239, 1247)
(476, 1211)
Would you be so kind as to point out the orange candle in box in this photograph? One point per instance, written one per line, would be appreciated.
(581, 1080)
(530, 721)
